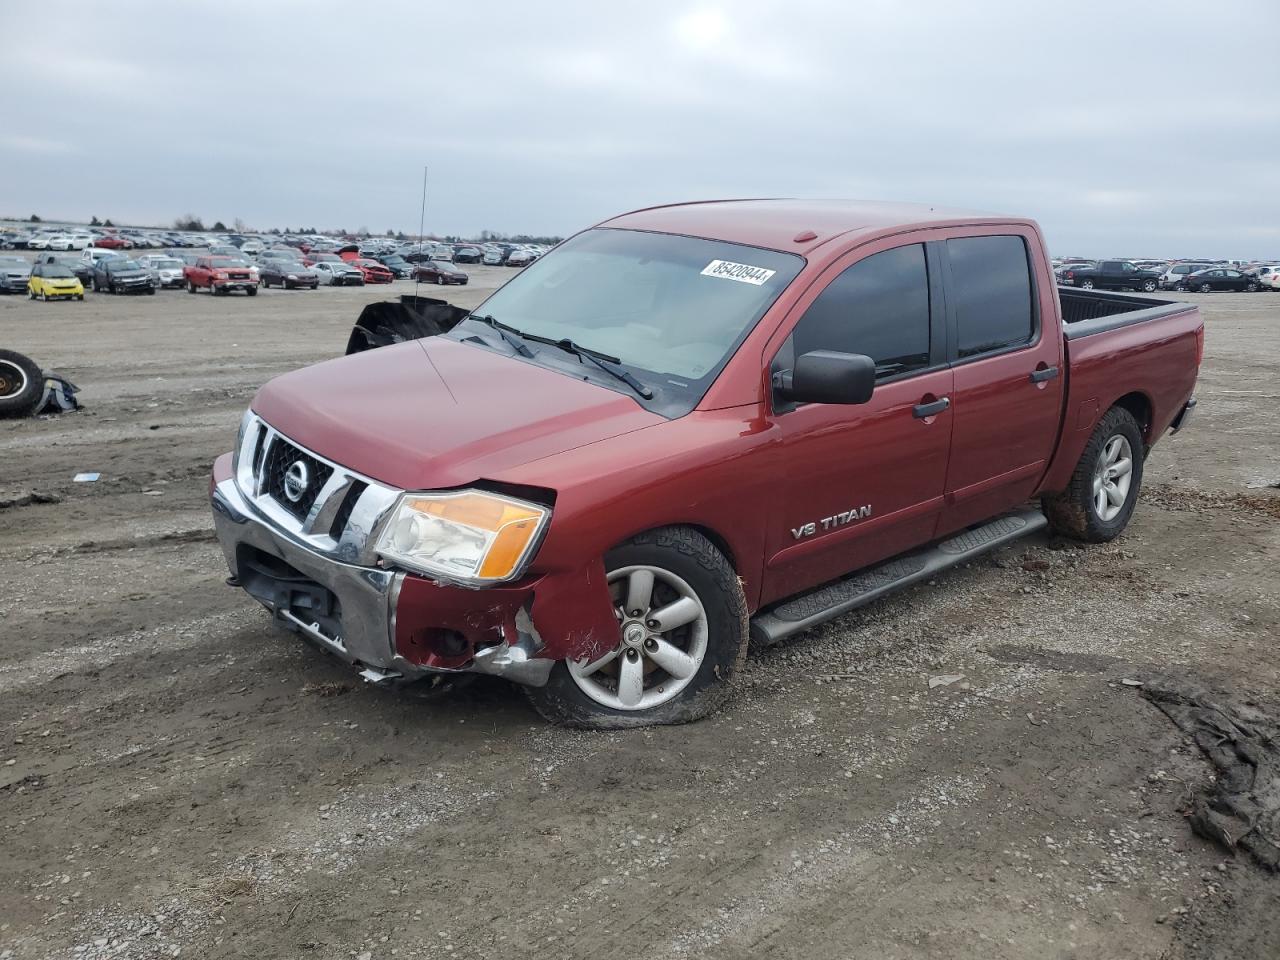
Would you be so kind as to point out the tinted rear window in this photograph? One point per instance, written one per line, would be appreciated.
(991, 280)
(878, 307)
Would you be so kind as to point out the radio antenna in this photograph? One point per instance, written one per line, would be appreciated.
(422, 220)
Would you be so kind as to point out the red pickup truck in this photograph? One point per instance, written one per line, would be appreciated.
(221, 275)
(690, 426)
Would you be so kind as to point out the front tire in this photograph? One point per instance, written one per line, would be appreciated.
(1206, 288)
(1104, 489)
(1251, 288)
(680, 644)
(251, 291)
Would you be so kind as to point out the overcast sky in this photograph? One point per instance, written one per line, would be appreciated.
(1124, 128)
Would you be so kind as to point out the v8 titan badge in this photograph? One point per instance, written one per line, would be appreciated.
(742, 272)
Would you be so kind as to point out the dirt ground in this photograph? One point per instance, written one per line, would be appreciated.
(178, 777)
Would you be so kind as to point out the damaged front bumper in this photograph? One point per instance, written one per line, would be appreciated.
(393, 626)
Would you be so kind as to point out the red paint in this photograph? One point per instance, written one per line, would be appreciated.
(436, 413)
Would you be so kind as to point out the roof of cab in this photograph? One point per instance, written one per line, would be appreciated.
(794, 226)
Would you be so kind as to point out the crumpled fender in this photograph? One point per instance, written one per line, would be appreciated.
(573, 613)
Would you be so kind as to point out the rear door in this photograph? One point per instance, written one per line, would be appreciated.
(859, 483)
(1006, 353)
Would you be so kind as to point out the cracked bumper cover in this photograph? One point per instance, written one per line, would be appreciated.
(391, 625)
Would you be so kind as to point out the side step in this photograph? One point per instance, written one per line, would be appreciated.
(807, 610)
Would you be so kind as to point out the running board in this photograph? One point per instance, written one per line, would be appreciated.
(807, 610)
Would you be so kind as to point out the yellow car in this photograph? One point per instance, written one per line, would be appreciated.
(53, 281)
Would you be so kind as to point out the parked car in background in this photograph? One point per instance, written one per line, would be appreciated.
(14, 274)
(111, 241)
(374, 272)
(1111, 275)
(494, 257)
(340, 274)
(221, 274)
(53, 281)
(464, 253)
(168, 271)
(312, 258)
(1218, 278)
(397, 264)
(122, 275)
(287, 274)
(252, 247)
(1176, 273)
(83, 269)
(521, 257)
(438, 271)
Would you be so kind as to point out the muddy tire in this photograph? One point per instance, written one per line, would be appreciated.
(21, 384)
(1097, 504)
(679, 650)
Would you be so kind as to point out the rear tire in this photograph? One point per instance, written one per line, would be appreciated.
(682, 566)
(1102, 475)
(1149, 286)
(21, 384)
(191, 287)
(1086, 284)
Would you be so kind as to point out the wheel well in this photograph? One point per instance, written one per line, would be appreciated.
(717, 541)
(1140, 406)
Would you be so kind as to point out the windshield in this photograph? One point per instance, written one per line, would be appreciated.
(60, 273)
(116, 266)
(671, 308)
(168, 263)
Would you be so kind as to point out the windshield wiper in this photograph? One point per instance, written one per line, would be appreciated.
(509, 334)
(602, 360)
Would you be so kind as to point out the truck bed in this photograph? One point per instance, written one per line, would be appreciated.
(1086, 312)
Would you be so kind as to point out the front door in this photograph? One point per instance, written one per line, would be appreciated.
(1007, 357)
(859, 483)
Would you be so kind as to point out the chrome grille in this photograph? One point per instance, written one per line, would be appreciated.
(340, 512)
(282, 457)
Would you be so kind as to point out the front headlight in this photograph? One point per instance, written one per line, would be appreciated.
(469, 535)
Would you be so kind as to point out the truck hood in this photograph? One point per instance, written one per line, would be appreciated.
(436, 413)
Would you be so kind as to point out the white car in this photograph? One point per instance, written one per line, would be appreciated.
(91, 255)
(252, 247)
(70, 241)
(338, 274)
(1176, 275)
(167, 270)
(1269, 276)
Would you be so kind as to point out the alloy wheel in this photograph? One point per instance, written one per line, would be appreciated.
(663, 633)
(1112, 477)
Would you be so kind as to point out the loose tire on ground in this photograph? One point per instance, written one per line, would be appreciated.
(21, 384)
(689, 559)
(1074, 512)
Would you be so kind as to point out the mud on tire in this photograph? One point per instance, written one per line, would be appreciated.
(692, 558)
(1074, 513)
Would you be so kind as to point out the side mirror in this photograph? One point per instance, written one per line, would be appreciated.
(827, 376)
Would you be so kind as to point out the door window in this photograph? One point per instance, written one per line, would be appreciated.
(991, 280)
(878, 307)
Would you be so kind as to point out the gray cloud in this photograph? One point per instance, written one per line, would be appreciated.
(1142, 128)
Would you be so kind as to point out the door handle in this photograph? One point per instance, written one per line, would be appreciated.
(1046, 373)
(922, 410)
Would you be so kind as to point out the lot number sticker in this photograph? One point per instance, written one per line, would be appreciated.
(742, 272)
